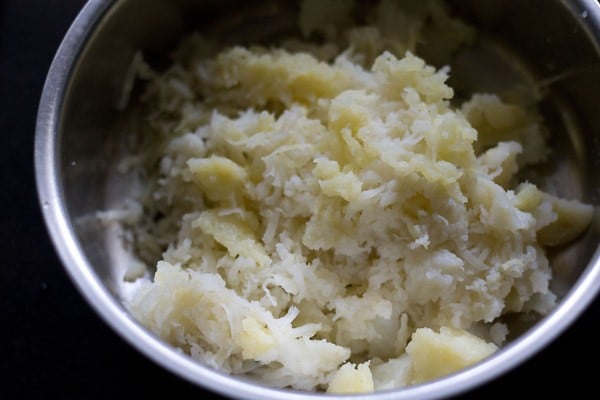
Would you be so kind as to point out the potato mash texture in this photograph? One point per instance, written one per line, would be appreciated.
(326, 219)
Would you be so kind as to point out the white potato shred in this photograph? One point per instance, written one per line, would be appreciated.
(325, 219)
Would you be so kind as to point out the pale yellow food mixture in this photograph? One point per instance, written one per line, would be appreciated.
(331, 221)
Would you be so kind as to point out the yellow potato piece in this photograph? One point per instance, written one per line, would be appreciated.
(335, 183)
(352, 379)
(494, 120)
(278, 75)
(255, 339)
(434, 355)
(528, 198)
(234, 233)
(572, 218)
(503, 159)
(218, 176)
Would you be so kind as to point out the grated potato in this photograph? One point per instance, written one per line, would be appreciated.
(336, 224)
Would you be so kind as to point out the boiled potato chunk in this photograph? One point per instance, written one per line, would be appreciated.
(434, 355)
(564, 219)
(572, 218)
(502, 160)
(528, 197)
(352, 379)
(336, 183)
(255, 339)
(218, 176)
(234, 234)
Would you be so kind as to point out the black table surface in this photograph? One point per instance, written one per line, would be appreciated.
(53, 345)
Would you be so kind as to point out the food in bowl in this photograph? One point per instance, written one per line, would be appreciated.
(324, 215)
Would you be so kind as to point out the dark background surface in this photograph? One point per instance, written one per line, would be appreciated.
(53, 345)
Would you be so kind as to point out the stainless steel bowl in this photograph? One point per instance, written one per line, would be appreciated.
(79, 134)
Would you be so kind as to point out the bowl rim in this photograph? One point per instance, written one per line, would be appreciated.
(64, 238)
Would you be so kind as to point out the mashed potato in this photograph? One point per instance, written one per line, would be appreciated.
(326, 219)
